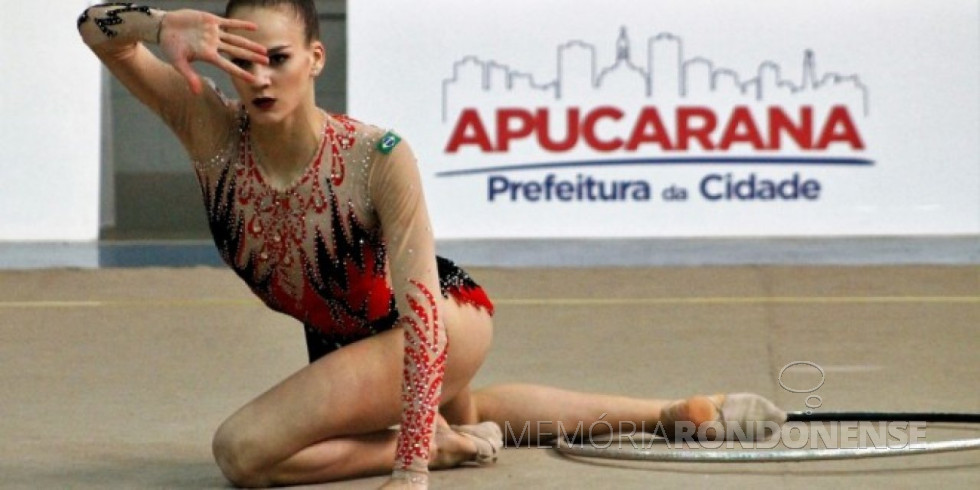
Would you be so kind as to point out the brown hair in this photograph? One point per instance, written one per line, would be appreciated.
(305, 11)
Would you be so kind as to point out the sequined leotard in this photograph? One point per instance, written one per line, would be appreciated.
(346, 249)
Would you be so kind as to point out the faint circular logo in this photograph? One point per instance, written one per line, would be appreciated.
(812, 401)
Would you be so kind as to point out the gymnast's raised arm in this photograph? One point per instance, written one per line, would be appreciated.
(116, 33)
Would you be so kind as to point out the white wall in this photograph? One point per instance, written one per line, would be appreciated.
(49, 125)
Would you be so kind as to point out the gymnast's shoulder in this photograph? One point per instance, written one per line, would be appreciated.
(373, 141)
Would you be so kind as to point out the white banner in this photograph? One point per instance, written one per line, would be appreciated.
(638, 118)
(50, 134)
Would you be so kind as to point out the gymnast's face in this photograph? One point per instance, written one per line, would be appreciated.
(287, 83)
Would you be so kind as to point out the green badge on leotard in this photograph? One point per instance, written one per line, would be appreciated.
(388, 142)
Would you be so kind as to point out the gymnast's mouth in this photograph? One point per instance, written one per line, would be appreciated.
(264, 103)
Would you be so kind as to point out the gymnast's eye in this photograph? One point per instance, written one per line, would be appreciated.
(242, 63)
(278, 59)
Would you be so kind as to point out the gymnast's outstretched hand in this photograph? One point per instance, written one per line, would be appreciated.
(191, 35)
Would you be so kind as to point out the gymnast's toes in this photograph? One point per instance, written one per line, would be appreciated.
(684, 417)
(731, 416)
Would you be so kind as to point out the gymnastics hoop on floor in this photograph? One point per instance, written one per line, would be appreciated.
(935, 417)
(760, 455)
(768, 456)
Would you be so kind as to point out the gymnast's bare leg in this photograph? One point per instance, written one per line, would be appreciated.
(330, 420)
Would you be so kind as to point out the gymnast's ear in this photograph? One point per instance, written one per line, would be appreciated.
(319, 57)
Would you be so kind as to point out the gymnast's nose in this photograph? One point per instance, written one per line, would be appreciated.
(263, 76)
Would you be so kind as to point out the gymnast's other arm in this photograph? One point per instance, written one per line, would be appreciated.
(395, 188)
(116, 33)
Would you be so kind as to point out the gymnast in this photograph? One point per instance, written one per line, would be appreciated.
(324, 218)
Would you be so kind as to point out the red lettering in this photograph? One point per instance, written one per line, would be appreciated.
(839, 128)
(687, 130)
(741, 128)
(571, 136)
(588, 128)
(696, 126)
(469, 131)
(779, 122)
(506, 131)
(649, 129)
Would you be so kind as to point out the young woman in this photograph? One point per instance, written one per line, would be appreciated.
(324, 218)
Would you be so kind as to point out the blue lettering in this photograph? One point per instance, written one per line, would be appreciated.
(566, 191)
(704, 187)
(496, 185)
(716, 187)
(532, 191)
(553, 188)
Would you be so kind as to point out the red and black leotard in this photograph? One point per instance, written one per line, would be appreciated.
(346, 249)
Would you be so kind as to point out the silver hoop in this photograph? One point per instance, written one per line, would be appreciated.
(759, 455)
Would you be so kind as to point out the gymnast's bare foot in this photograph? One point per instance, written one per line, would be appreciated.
(692, 412)
(749, 414)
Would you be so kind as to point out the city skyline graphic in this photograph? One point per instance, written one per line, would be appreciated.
(666, 77)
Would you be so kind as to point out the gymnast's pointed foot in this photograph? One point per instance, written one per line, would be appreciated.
(732, 415)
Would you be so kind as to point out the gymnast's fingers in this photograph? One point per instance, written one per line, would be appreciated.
(237, 53)
(234, 70)
(244, 25)
(193, 80)
(232, 40)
